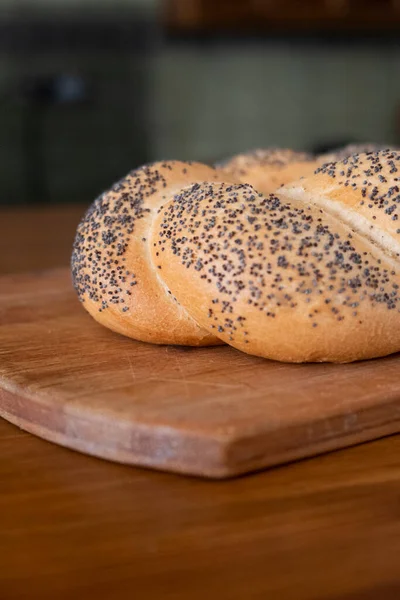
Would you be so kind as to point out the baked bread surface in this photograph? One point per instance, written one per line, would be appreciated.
(180, 253)
(268, 169)
(347, 151)
(111, 267)
(286, 276)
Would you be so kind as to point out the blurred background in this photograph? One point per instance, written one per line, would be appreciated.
(89, 89)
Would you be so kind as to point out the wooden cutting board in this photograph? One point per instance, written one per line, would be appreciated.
(213, 411)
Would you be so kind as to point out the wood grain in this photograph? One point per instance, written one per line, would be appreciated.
(75, 527)
(37, 238)
(212, 411)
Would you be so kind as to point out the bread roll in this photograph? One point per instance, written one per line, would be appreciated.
(346, 151)
(289, 277)
(362, 191)
(111, 266)
(175, 254)
(266, 170)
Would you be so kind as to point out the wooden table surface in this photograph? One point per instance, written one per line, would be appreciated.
(76, 527)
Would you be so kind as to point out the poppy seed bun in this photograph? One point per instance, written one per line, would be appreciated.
(346, 151)
(266, 170)
(111, 267)
(362, 191)
(276, 277)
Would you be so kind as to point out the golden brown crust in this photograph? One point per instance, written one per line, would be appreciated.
(266, 170)
(112, 272)
(277, 278)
